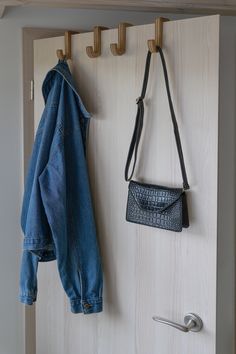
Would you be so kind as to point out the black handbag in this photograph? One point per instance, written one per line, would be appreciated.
(149, 204)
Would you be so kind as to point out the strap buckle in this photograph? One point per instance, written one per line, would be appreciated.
(139, 99)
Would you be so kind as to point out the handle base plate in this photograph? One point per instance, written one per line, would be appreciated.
(198, 322)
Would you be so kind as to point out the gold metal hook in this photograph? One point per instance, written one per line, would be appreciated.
(153, 43)
(119, 49)
(67, 55)
(94, 52)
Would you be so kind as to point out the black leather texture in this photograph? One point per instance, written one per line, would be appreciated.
(157, 206)
(153, 205)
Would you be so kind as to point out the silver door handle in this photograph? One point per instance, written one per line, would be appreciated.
(192, 322)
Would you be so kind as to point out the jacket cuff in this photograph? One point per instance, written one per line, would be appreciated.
(32, 243)
(86, 306)
(44, 249)
(27, 299)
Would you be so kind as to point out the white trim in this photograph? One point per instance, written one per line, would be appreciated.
(2, 10)
(204, 7)
(28, 37)
(11, 2)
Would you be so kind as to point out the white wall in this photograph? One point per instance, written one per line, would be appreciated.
(11, 143)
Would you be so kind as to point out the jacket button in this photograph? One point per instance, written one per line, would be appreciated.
(87, 306)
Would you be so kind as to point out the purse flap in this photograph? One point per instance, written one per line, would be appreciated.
(154, 198)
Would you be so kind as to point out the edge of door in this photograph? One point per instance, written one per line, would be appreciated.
(226, 244)
(29, 34)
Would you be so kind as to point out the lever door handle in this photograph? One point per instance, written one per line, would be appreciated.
(193, 323)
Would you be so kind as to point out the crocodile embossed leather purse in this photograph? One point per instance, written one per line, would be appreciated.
(148, 204)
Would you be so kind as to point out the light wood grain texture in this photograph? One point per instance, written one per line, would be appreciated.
(175, 6)
(95, 50)
(51, 295)
(120, 47)
(146, 271)
(67, 40)
(158, 40)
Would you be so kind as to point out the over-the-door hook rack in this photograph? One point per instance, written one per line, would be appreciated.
(67, 55)
(153, 43)
(94, 52)
(119, 49)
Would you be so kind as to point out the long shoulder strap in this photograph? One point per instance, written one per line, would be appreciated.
(133, 149)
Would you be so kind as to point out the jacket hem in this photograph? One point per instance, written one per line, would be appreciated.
(86, 306)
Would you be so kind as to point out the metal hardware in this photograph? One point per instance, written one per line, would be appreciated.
(193, 323)
(31, 90)
(139, 99)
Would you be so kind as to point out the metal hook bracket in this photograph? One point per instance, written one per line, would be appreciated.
(67, 55)
(94, 52)
(153, 43)
(119, 49)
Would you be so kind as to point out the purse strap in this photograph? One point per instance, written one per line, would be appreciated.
(133, 149)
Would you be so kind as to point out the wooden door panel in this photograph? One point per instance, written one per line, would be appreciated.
(147, 271)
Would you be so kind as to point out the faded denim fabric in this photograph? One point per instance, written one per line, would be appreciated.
(57, 215)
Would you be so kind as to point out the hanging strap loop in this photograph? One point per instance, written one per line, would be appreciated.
(133, 149)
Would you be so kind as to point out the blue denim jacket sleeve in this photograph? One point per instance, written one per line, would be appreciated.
(57, 214)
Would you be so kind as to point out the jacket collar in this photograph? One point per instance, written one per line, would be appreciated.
(62, 68)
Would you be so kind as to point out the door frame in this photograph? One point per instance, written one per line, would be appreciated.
(29, 34)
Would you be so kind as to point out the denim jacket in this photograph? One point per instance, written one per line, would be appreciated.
(57, 215)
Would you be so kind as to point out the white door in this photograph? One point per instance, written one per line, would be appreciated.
(147, 271)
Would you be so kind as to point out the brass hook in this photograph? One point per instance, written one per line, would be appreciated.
(153, 43)
(94, 52)
(119, 49)
(67, 55)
